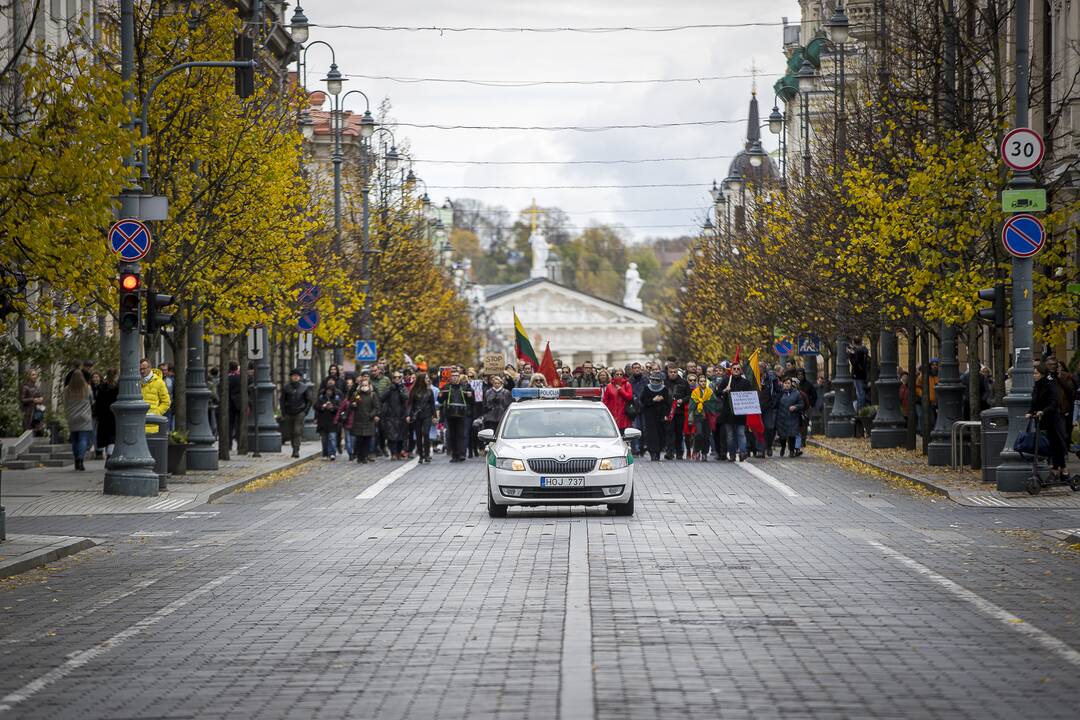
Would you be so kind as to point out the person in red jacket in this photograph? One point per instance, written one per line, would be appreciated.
(616, 395)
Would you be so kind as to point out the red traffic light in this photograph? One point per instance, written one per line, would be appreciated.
(129, 282)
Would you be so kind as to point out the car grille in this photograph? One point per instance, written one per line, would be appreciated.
(551, 466)
(581, 492)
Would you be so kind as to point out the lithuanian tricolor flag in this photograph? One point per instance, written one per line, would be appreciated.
(522, 347)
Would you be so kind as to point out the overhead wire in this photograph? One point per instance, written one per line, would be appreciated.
(535, 83)
(570, 29)
(558, 128)
(563, 187)
(639, 161)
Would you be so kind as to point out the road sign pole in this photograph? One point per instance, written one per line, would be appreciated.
(1014, 470)
(841, 418)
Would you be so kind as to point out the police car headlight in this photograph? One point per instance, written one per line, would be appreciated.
(510, 464)
(615, 463)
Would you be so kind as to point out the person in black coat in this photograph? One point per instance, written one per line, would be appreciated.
(734, 425)
(1046, 409)
(420, 410)
(655, 405)
(326, 412)
(107, 393)
(679, 392)
(393, 416)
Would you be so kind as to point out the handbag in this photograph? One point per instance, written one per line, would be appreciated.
(1032, 442)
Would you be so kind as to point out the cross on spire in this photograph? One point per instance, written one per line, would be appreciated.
(754, 72)
(533, 212)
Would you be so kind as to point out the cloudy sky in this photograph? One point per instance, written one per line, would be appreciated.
(516, 56)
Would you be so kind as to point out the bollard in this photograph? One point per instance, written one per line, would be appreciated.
(159, 448)
(993, 434)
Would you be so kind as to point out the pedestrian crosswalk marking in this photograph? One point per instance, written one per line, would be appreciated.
(170, 504)
(987, 501)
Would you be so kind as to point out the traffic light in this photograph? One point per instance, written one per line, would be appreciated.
(156, 320)
(244, 78)
(996, 312)
(129, 301)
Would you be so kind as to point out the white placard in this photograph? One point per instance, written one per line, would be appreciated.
(745, 403)
(255, 337)
(304, 345)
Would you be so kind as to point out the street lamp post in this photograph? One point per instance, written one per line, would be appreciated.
(1014, 470)
(806, 78)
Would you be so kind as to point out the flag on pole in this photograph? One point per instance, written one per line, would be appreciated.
(408, 360)
(547, 367)
(753, 366)
(522, 347)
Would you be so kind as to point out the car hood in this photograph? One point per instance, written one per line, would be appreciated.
(570, 447)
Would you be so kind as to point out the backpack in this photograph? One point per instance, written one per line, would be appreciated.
(633, 407)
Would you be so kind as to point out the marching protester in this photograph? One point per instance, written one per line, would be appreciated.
(679, 393)
(496, 400)
(326, 417)
(655, 404)
(363, 418)
(789, 414)
(420, 410)
(392, 418)
(456, 399)
(734, 425)
(703, 413)
(617, 395)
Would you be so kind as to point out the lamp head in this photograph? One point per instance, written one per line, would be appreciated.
(715, 192)
(298, 26)
(776, 121)
(307, 125)
(367, 125)
(757, 154)
(838, 26)
(393, 160)
(334, 80)
(806, 77)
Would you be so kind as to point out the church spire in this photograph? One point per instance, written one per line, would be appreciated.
(753, 122)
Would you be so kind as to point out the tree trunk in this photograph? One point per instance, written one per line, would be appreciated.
(224, 429)
(912, 369)
(924, 360)
(241, 356)
(974, 368)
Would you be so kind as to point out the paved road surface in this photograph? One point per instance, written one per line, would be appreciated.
(796, 590)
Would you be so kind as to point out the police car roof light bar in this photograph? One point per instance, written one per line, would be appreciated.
(556, 393)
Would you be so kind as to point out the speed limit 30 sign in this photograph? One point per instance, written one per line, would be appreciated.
(1022, 149)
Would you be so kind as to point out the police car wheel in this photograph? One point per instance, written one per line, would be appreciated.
(626, 508)
(494, 510)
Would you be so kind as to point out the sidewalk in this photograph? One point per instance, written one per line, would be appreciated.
(20, 553)
(964, 487)
(63, 491)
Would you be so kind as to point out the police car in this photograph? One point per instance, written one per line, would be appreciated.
(559, 446)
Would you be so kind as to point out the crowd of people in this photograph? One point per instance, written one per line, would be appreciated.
(683, 410)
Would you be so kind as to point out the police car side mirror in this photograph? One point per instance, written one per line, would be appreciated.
(631, 433)
(487, 435)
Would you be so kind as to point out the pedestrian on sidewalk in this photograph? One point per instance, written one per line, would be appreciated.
(154, 392)
(792, 406)
(80, 419)
(33, 404)
(326, 418)
(1045, 402)
(106, 426)
(295, 402)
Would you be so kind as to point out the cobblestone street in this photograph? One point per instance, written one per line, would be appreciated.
(793, 589)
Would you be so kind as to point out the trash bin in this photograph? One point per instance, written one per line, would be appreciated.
(159, 448)
(992, 436)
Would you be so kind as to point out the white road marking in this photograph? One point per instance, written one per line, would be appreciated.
(1046, 640)
(769, 479)
(387, 480)
(170, 504)
(78, 659)
(576, 698)
(192, 514)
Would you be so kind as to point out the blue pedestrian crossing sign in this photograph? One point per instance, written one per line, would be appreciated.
(308, 321)
(366, 351)
(130, 239)
(1023, 235)
(809, 345)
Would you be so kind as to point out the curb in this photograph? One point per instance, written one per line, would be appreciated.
(235, 485)
(28, 561)
(925, 484)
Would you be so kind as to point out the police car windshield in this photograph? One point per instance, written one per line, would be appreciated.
(546, 422)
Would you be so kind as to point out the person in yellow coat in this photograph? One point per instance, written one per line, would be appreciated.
(153, 392)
